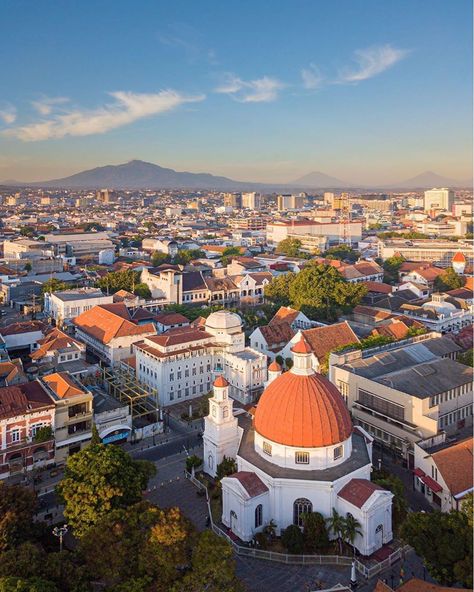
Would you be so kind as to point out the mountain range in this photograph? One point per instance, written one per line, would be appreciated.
(138, 174)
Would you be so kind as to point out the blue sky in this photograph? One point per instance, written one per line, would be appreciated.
(363, 90)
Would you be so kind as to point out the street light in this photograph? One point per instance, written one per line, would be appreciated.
(60, 531)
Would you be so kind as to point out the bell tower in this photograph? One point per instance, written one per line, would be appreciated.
(221, 436)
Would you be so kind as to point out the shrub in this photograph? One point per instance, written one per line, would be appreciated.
(292, 539)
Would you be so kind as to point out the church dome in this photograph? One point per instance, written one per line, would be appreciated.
(302, 408)
(222, 320)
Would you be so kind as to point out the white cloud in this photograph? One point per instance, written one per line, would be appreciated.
(126, 108)
(46, 105)
(261, 90)
(312, 77)
(8, 114)
(372, 61)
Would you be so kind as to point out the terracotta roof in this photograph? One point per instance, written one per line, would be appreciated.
(23, 398)
(395, 328)
(23, 327)
(358, 491)
(285, 313)
(378, 287)
(251, 482)
(416, 585)
(10, 370)
(301, 347)
(455, 465)
(277, 333)
(55, 340)
(63, 385)
(179, 336)
(220, 382)
(300, 410)
(430, 273)
(274, 367)
(171, 318)
(108, 321)
(459, 258)
(322, 340)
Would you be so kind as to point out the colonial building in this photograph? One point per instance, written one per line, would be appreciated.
(182, 363)
(59, 352)
(300, 454)
(109, 332)
(442, 312)
(64, 306)
(406, 391)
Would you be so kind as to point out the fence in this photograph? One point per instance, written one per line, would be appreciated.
(342, 560)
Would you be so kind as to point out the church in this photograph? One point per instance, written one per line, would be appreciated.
(298, 453)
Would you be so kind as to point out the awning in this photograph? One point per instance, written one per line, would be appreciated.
(432, 484)
(418, 472)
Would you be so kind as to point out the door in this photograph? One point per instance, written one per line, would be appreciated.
(379, 536)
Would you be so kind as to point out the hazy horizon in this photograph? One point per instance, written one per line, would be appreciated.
(370, 93)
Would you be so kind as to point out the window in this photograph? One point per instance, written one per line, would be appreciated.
(267, 448)
(301, 507)
(15, 435)
(226, 412)
(258, 515)
(302, 458)
(338, 452)
(171, 377)
(381, 405)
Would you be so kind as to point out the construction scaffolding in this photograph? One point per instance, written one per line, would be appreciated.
(123, 386)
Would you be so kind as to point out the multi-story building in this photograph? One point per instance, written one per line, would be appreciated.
(443, 470)
(249, 223)
(314, 235)
(182, 363)
(67, 304)
(251, 200)
(439, 252)
(24, 410)
(234, 200)
(442, 313)
(79, 244)
(406, 391)
(109, 332)
(438, 199)
(73, 413)
(168, 246)
(24, 248)
(290, 202)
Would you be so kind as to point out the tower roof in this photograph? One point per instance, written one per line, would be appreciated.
(301, 347)
(274, 367)
(220, 382)
(459, 258)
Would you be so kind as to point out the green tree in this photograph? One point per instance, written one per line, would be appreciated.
(230, 253)
(193, 461)
(27, 231)
(43, 434)
(213, 567)
(95, 439)
(395, 485)
(142, 290)
(99, 479)
(13, 584)
(186, 255)
(158, 258)
(336, 524)
(391, 267)
(290, 247)
(449, 280)
(277, 290)
(352, 528)
(119, 280)
(315, 534)
(342, 253)
(322, 292)
(292, 539)
(467, 508)
(466, 358)
(17, 506)
(54, 285)
(444, 541)
(28, 267)
(226, 467)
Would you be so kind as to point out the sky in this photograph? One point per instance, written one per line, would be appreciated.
(256, 90)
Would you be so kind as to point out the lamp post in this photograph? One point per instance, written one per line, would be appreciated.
(60, 531)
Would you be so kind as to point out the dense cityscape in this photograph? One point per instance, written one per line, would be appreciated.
(236, 296)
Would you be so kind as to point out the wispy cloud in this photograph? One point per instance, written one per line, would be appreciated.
(372, 61)
(126, 108)
(186, 38)
(312, 77)
(8, 114)
(46, 105)
(261, 90)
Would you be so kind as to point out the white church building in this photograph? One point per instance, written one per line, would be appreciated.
(299, 454)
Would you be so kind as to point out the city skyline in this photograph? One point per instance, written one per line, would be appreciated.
(369, 94)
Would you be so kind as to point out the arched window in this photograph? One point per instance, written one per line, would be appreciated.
(301, 507)
(258, 515)
(210, 461)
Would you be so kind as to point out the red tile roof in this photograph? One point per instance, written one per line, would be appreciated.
(455, 465)
(24, 398)
(322, 340)
(358, 491)
(251, 482)
(63, 385)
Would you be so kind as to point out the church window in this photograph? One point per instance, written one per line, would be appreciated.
(210, 461)
(267, 448)
(338, 452)
(302, 458)
(226, 412)
(258, 515)
(213, 411)
(301, 507)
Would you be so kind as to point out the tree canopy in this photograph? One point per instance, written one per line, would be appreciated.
(99, 479)
(342, 252)
(290, 247)
(229, 253)
(17, 506)
(126, 279)
(449, 280)
(391, 268)
(54, 285)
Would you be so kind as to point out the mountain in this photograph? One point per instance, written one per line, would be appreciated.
(137, 174)
(426, 180)
(317, 180)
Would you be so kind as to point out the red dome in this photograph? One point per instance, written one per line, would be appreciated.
(274, 367)
(306, 411)
(220, 382)
(459, 258)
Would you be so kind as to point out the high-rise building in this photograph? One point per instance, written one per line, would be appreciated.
(328, 197)
(104, 195)
(290, 202)
(439, 199)
(233, 199)
(251, 200)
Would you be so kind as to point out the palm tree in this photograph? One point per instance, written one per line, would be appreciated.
(336, 523)
(351, 529)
